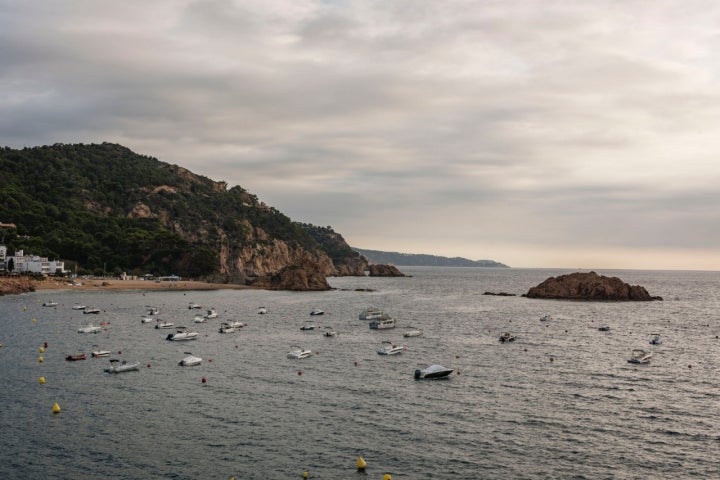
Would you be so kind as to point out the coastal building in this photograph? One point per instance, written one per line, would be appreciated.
(21, 263)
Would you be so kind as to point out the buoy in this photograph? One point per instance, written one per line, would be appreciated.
(689, 366)
(361, 463)
(306, 475)
(42, 380)
(552, 359)
(40, 359)
(203, 380)
(56, 408)
(149, 366)
(42, 350)
(34, 320)
(387, 476)
(299, 372)
(45, 345)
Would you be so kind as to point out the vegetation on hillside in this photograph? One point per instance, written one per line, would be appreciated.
(111, 210)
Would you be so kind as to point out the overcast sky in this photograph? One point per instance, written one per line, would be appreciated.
(573, 134)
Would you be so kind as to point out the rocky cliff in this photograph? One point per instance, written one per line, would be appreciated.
(589, 286)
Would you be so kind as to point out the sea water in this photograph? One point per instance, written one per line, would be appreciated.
(561, 401)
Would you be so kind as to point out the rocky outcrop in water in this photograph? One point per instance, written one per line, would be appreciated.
(384, 271)
(589, 286)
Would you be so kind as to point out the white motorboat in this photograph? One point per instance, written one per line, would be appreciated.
(163, 324)
(190, 360)
(100, 353)
(433, 372)
(389, 348)
(119, 367)
(90, 310)
(199, 319)
(383, 323)
(329, 332)
(307, 327)
(640, 356)
(181, 334)
(655, 340)
(371, 313)
(262, 310)
(194, 306)
(507, 337)
(146, 319)
(89, 329)
(226, 328)
(413, 332)
(235, 323)
(79, 307)
(298, 352)
(211, 313)
(317, 311)
(50, 304)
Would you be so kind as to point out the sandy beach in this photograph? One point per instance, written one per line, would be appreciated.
(65, 284)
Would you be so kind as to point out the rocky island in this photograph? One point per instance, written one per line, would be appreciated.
(589, 286)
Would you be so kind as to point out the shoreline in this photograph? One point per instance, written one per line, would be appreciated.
(105, 285)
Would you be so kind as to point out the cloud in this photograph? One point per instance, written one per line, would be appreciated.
(436, 125)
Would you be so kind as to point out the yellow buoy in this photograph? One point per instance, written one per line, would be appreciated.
(34, 320)
(56, 408)
(306, 475)
(42, 350)
(40, 359)
(361, 463)
(387, 476)
(42, 380)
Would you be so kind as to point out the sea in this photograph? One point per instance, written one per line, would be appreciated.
(560, 402)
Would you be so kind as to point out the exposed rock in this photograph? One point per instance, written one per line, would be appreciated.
(500, 294)
(293, 277)
(15, 285)
(589, 286)
(384, 271)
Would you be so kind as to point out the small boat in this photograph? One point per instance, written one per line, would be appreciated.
(119, 367)
(146, 319)
(307, 327)
(382, 323)
(433, 372)
(199, 319)
(77, 356)
(50, 304)
(163, 324)
(194, 306)
(655, 340)
(190, 360)
(371, 313)
(317, 311)
(90, 310)
(100, 353)
(546, 318)
(298, 352)
(413, 332)
(211, 314)
(507, 337)
(640, 356)
(262, 310)
(89, 329)
(235, 323)
(329, 332)
(78, 306)
(152, 311)
(226, 328)
(181, 334)
(604, 328)
(389, 348)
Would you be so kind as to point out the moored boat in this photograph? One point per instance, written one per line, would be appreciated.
(50, 304)
(163, 324)
(77, 356)
(91, 310)
(181, 334)
(119, 367)
(413, 332)
(317, 311)
(262, 310)
(226, 328)
(78, 306)
(99, 353)
(640, 356)
(89, 329)
(389, 348)
(371, 313)
(190, 360)
(507, 337)
(433, 372)
(383, 323)
(298, 352)
(655, 340)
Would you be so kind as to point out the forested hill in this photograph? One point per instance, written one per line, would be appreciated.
(419, 260)
(103, 207)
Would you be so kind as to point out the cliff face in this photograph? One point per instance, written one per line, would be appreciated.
(589, 286)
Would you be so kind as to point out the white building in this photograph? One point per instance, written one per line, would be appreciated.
(32, 263)
(3, 254)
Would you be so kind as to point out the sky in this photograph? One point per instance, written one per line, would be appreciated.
(536, 133)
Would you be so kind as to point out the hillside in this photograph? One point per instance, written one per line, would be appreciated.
(105, 208)
(422, 260)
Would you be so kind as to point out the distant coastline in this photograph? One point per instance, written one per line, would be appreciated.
(423, 260)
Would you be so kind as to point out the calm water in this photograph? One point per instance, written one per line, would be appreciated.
(560, 402)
